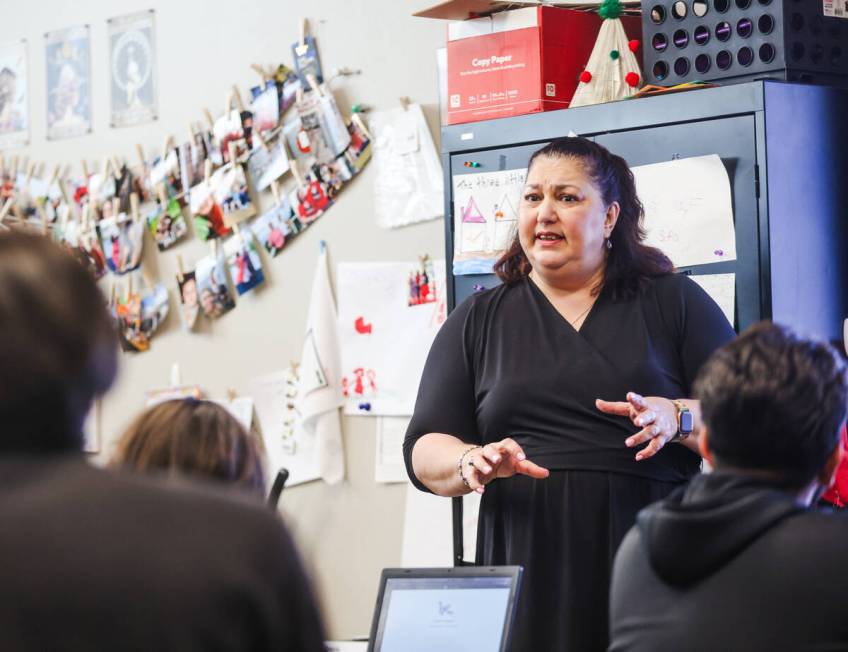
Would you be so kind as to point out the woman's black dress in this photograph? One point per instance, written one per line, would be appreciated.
(507, 364)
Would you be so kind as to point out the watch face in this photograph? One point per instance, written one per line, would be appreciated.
(686, 422)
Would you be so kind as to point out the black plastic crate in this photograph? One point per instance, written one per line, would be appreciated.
(741, 40)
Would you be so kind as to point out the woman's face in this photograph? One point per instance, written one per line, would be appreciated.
(562, 219)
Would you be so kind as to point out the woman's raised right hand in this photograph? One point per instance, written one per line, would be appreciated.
(501, 459)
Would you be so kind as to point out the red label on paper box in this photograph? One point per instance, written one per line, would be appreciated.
(524, 70)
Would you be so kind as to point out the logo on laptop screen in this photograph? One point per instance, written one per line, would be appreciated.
(445, 609)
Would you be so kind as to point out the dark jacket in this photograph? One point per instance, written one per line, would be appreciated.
(730, 563)
(92, 560)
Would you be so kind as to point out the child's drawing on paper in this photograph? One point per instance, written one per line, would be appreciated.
(506, 221)
(388, 315)
(422, 283)
(360, 383)
(485, 217)
(474, 229)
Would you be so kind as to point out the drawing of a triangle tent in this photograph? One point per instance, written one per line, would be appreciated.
(471, 213)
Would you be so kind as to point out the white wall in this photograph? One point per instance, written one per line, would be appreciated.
(347, 533)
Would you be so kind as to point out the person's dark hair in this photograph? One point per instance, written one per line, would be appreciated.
(58, 348)
(195, 438)
(630, 262)
(773, 401)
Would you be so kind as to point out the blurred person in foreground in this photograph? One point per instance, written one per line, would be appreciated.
(96, 560)
(738, 559)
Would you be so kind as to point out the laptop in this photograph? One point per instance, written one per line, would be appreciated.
(468, 608)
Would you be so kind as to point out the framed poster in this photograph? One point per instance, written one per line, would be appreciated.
(68, 56)
(14, 95)
(132, 52)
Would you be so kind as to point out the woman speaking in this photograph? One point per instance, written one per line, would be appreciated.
(562, 395)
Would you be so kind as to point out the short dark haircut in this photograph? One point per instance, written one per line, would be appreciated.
(58, 349)
(773, 401)
(194, 438)
(629, 263)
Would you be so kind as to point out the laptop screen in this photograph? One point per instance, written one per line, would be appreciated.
(454, 609)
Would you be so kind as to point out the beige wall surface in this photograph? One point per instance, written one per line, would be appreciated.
(349, 532)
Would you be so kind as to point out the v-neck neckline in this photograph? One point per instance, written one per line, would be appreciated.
(551, 306)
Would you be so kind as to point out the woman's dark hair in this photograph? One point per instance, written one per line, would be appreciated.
(58, 348)
(773, 401)
(194, 438)
(629, 263)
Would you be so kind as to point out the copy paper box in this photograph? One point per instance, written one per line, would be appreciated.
(520, 61)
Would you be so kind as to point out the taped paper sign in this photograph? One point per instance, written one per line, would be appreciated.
(485, 212)
(688, 209)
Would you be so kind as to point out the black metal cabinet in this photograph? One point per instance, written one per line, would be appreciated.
(785, 148)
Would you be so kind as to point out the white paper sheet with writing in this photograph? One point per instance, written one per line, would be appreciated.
(428, 529)
(688, 209)
(287, 444)
(389, 314)
(722, 289)
(389, 466)
(485, 218)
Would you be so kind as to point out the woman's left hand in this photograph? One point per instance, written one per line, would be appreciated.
(656, 416)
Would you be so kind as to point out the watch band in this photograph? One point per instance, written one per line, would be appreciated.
(685, 420)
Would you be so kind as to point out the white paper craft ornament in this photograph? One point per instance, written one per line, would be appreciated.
(612, 72)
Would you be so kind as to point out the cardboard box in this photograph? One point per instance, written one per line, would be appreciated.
(520, 61)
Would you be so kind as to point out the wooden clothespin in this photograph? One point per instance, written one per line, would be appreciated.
(6, 208)
(231, 151)
(207, 170)
(213, 246)
(302, 48)
(2, 166)
(162, 195)
(30, 170)
(275, 192)
(13, 168)
(167, 147)
(261, 72)
(191, 131)
(232, 395)
(117, 166)
(139, 150)
(209, 120)
(236, 95)
(85, 171)
(405, 102)
(134, 205)
(39, 170)
(55, 176)
(257, 136)
(104, 168)
(116, 207)
(180, 269)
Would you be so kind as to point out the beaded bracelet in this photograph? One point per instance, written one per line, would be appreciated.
(459, 465)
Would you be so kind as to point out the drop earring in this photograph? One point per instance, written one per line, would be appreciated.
(609, 244)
